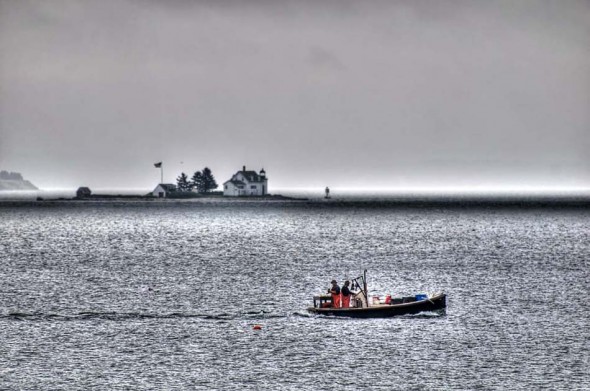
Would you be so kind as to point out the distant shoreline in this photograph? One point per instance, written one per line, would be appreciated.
(149, 197)
(368, 199)
(513, 202)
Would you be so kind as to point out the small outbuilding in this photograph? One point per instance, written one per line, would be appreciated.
(164, 190)
(83, 192)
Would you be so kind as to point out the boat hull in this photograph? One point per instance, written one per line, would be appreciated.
(435, 303)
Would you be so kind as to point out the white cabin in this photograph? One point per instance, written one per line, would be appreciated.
(163, 190)
(246, 183)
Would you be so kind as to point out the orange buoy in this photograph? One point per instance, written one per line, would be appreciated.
(257, 327)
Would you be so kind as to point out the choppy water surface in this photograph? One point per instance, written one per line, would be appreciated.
(163, 295)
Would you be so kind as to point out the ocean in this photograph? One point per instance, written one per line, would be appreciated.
(164, 295)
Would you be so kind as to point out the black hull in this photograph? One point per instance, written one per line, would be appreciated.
(435, 303)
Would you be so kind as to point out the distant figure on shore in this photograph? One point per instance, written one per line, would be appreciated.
(327, 192)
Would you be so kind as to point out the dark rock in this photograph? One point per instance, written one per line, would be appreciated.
(83, 192)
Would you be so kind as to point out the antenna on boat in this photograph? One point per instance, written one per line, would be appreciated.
(365, 285)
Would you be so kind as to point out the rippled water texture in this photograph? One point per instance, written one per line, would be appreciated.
(164, 295)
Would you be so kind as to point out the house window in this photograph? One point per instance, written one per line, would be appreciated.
(225, 187)
(253, 187)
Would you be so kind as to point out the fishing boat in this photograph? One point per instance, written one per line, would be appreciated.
(360, 307)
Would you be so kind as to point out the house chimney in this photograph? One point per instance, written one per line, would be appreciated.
(244, 168)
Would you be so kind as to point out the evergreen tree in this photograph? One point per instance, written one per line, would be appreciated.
(183, 183)
(197, 182)
(209, 182)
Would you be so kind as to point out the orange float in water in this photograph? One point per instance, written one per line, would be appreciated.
(257, 327)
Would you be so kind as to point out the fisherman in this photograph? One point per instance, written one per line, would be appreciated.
(346, 293)
(335, 292)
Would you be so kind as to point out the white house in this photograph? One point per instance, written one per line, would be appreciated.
(163, 190)
(246, 183)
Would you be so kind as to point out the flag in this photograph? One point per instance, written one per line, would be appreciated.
(158, 165)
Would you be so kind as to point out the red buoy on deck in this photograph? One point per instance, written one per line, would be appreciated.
(257, 327)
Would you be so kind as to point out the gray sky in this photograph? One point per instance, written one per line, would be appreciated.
(379, 94)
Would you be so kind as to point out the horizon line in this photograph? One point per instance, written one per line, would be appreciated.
(409, 190)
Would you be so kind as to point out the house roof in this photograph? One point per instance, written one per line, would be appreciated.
(167, 186)
(252, 176)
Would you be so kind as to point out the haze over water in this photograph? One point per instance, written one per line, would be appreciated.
(164, 295)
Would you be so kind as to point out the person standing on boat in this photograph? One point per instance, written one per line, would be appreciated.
(346, 293)
(335, 292)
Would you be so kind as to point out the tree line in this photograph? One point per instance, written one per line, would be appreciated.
(15, 176)
(202, 181)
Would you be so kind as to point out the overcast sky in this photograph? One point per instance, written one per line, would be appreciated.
(378, 94)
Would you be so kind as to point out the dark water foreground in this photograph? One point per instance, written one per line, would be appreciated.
(131, 295)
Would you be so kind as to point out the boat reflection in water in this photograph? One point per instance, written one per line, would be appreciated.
(322, 304)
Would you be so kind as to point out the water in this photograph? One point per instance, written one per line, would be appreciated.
(164, 295)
